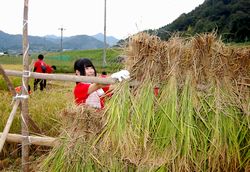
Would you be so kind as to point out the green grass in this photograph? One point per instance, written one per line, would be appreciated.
(44, 107)
(181, 130)
(64, 61)
(239, 45)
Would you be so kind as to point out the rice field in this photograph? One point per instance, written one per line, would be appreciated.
(64, 60)
(199, 121)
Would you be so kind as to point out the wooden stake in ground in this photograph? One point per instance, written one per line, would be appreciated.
(25, 80)
(7, 80)
(13, 92)
(8, 124)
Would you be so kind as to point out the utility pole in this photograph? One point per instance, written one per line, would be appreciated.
(62, 29)
(44, 41)
(104, 63)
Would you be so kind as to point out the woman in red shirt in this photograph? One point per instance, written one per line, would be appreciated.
(87, 93)
(91, 93)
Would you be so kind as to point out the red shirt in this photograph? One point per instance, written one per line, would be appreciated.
(81, 92)
(95, 99)
(38, 66)
(49, 69)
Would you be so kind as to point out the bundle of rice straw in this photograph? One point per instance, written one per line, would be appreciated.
(205, 56)
(83, 121)
(81, 124)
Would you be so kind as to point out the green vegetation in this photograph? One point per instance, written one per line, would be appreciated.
(64, 61)
(230, 18)
(183, 130)
(49, 103)
(180, 129)
(199, 121)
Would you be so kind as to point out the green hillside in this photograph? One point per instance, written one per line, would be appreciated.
(230, 18)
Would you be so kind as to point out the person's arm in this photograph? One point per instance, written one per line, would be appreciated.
(95, 86)
(121, 75)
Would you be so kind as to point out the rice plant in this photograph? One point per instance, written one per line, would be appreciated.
(199, 121)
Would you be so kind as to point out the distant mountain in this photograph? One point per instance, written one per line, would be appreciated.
(82, 42)
(13, 43)
(52, 37)
(110, 39)
(230, 18)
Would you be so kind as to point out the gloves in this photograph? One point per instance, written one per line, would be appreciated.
(100, 92)
(121, 75)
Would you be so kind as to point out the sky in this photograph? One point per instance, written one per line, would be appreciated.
(86, 17)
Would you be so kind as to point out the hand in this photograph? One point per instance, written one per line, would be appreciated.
(121, 75)
(100, 92)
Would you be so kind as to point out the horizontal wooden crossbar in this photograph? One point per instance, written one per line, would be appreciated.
(36, 140)
(62, 77)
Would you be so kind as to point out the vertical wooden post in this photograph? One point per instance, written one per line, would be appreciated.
(25, 79)
(104, 62)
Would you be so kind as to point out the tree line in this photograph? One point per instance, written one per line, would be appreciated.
(229, 18)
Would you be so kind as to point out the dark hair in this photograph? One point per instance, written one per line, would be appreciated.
(54, 67)
(81, 64)
(104, 73)
(40, 56)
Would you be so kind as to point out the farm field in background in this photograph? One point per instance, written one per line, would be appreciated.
(64, 61)
(198, 122)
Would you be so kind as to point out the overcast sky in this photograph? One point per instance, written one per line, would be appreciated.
(78, 17)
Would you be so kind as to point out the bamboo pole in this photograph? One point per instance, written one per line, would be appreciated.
(36, 140)
(13, 92)
(25, 81)
(8, 124)
(63, 77)
(7, 80)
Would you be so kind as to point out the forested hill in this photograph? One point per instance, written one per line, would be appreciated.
(230, 18)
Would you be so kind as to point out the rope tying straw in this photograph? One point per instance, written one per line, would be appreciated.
(25, 22)
(29, 140)
(26, 73)
(21, 97)
(23, 120)
(26, 51)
